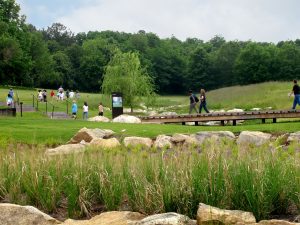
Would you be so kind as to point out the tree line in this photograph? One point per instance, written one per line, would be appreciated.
(56, 56)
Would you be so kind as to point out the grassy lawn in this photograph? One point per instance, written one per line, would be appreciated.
(35, 128)
(41, 130)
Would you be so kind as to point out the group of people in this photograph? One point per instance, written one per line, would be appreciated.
(61, 94)
(85, 110)
(42, 95)
(194, 100)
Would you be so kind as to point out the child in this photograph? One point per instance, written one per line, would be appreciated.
(9, 100)
(100, 108)
(85, 110)
(74, 110)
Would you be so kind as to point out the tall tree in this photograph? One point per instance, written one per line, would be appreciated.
(125, 74)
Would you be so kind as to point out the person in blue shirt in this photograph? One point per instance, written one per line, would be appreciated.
(74, 110)
(9, 100)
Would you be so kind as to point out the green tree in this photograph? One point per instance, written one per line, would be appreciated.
(125, 74)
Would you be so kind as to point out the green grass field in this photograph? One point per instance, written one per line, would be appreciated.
(264, 180)
(36, 128)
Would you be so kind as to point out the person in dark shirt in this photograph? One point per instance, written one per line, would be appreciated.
(203, 101)
(193, 102)
(296, 92)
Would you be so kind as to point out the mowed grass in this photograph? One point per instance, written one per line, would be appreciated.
(44, 131)
(36, 128)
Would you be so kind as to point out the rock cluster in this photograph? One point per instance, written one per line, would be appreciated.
(103, 139)
(28, 215)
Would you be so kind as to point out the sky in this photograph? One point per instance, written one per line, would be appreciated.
(256, 20)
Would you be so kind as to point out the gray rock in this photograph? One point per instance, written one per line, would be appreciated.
(166, 219)
(253, 137)
(66, 149)
(215, 135)
(294, 137)
(99, 119)
(163, 141)
(126, 119)
(136, 141)
(89, 134)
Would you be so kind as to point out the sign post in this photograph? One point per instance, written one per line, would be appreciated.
(117, 104)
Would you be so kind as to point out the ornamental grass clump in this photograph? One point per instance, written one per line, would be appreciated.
(264, 180)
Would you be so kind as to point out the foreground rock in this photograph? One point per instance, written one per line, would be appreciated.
(210, 215)
(126, 119)
(166, 219)
(110, 218)
(253, 137)
(276, 222)
(137, 141)
(99, 119)
(89, 134)
(294, 137)
(213, 135)
(163, 141)
(66, 149)
(11, 214)
(105, 143)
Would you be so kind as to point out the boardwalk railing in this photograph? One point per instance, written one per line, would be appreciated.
(222, 117)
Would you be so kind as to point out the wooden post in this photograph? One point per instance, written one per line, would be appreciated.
(263, 120)
(222, 123)
(196, 123)
(183, 123)
(21, 105)
(234, 122)
(274, 120)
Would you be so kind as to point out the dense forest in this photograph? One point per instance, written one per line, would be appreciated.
(56, 56)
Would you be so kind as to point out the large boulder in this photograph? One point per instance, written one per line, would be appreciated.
(235, 111)
(179, 138)
(99, 119)
(137, 141)
(11, 214)
(109, 218)
(202, 136)
(294, 137)
(66, 149)
(105, 143)
(163, 141)
(126, 119)
(211, 215)
(256, 138)
(166, 219)
(89, 134)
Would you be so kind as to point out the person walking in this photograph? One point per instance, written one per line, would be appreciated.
(296, 92)
(9, 100)
(74, 110)
(85, 110)
(52, 94)
(203, 101)
(100, 109)
(11, 92)
(193, 102)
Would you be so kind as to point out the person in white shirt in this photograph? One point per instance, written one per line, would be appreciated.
(85, 110)
(71, 94)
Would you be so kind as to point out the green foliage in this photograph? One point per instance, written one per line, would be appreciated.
(124, 74)
(262, 181)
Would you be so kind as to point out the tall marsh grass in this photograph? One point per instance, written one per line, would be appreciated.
(260, 180)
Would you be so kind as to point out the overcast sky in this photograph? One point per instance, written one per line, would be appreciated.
(257, 20)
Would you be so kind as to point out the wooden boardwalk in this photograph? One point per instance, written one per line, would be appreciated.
(226, 116)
